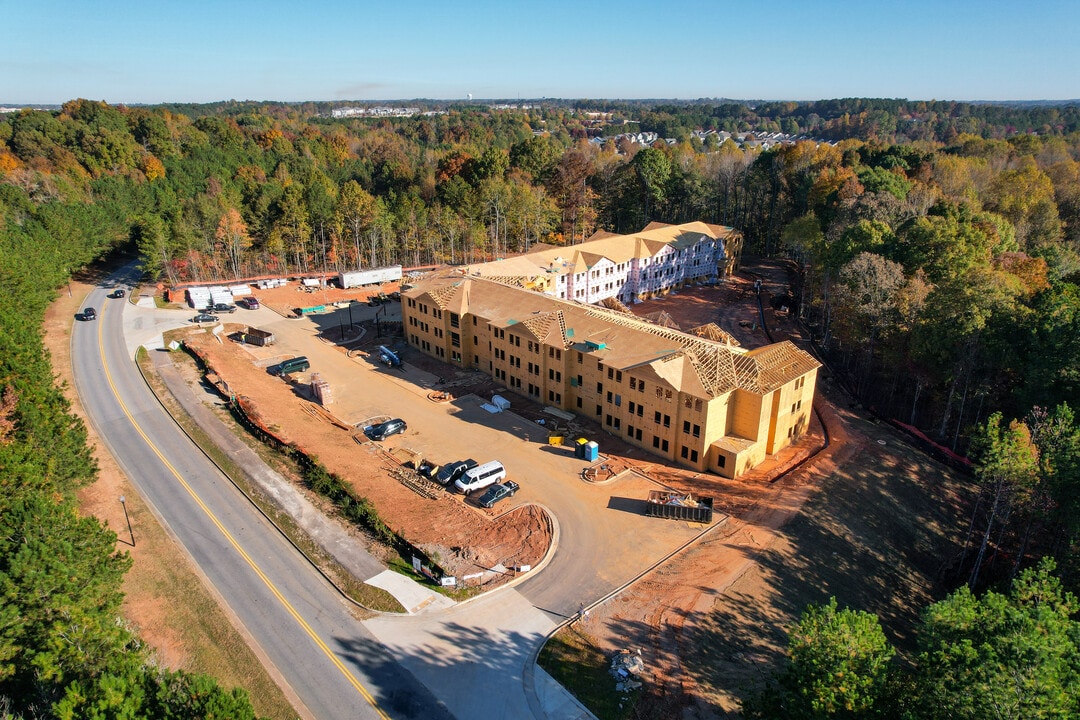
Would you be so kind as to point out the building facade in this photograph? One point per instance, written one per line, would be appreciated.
(695, 401)
(625, 267)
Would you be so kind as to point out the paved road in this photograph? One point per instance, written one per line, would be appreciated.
(301, 624)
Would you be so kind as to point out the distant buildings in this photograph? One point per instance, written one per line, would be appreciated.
(380, 111)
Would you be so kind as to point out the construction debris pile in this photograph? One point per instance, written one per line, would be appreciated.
(625, 666)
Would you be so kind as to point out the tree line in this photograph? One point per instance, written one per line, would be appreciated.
(64, 650)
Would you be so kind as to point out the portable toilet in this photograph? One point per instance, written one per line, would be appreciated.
(579, 447)
(592, 451)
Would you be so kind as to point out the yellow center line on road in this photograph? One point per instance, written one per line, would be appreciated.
(232, 541)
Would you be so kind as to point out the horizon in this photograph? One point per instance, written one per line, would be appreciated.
(11, 106)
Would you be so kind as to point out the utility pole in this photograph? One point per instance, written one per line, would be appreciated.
(128, 518)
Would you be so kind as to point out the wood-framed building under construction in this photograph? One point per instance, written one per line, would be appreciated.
(694, 398)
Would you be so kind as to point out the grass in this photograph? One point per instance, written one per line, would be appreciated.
(571, 658)
(367, 596)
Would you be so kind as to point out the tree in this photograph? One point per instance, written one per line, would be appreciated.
(1006, 465)
(233, 235)
(355, 211)
(838, 668)
(1013, 657)
(148, 235)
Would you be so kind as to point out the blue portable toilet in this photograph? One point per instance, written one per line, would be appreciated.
(592, 451)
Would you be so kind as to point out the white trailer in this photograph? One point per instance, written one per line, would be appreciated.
(374, 276)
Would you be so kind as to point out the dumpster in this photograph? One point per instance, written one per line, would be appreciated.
(679, 506)
(592, 451)
(556, 439)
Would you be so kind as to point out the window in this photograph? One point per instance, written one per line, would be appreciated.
(579, 384)
(630, 430)
(641, 386)
(475, 340)
(580, 358)
(609, 396)
(637, 434)
(688, 402)
(686, 427)
(697, 431)
(633, 383)
(667, 395)
(610, 373)
(659, 392)
(656, 417)
(790, 431)
(632, 406)
(455, 356)
(721, 460)
(640, 410)
(579, 402)
(455, 339)
(599, 387)
(684, 453)
(618, 376)
(697, 405)
(618, 401)
(667, 421)
(664, 445)
(618, 422)
(599, 410)
(455, 320)
(607, 420)
(793, 409)
(656, 441)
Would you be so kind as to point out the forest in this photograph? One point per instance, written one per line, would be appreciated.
(934, 249)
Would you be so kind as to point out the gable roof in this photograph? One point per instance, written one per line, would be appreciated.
(698, 365)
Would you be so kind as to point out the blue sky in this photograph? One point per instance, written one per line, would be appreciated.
(151, 51)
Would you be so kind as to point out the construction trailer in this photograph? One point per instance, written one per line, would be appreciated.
(374, 276)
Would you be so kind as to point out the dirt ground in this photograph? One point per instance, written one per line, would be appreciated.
(711, 622)
(466, 539)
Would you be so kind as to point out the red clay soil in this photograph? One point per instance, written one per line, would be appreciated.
(464, 540)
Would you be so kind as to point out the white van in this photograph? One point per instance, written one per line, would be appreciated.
(480, 477)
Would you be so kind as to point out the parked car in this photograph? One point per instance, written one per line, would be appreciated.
(117, 293)
(204, 317)
(222, 307)
(89, 314)
(296, 364)
(248, 302)
(452, 471)
(495, 493)
(385, 429)
(480, 477)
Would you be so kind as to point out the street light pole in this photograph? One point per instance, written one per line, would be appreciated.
(128, 518)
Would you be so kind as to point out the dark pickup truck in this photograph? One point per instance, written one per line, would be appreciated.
(679, 506)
